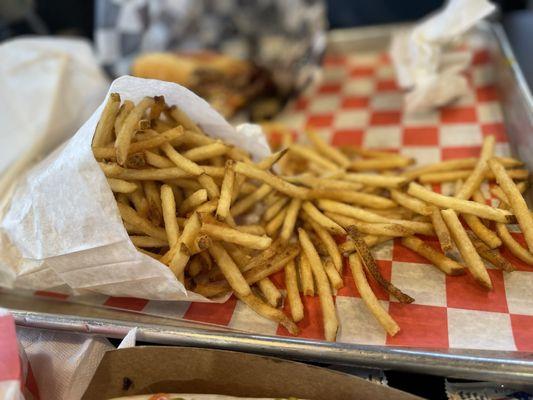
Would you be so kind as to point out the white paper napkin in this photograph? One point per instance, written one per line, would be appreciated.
(423, 62)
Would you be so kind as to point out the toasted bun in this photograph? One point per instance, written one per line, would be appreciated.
(165, 67)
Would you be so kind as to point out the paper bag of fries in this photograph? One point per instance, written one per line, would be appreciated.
(62, 228)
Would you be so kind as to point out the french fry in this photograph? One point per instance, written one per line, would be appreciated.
(121, 186)
(269, 312)
(514, 247)
(482, 232)
(104, 130)
(275, 264)
(193, 201)
(516, 201)
(183, 119)
(478, 174)
(314, 214)
(443, 234)
(149, 253)
(270, 292)
(374, 228)
(466, 248)
(206, 152)
(326, 150)
(293, 295)
(333, 275)
(329, 315)
(275, 223)
(380, 164)
(312, 156)
(124, 136)
(200, 243)
(152, 193)
(139, 201)
(369, 298)
(181, 162)
(123, 112)
(456, 164)
(448, 176)
(460, 205)
(330, 244)
(148, 241)
(230, 270)
(157, 160)
(267, 162)
(491, 255)
(439, 260)
(290, 220)
(273, 210)
(224, 202)
(148, 174)
(231, 235)
(372, 268)
(375, 180)
(251, 229)
(410, 203)
(168, 206)
(130, 216)
(324, 183)
(348, 246)
(250, 201)
(209, 184)
(306, 276)
(272, 180)
(352, 197)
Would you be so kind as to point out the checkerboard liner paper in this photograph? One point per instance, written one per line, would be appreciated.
(358, 103)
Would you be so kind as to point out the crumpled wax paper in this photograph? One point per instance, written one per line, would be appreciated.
(424, 62)
(62, 229)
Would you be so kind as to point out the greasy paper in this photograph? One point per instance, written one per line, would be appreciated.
(62, 229)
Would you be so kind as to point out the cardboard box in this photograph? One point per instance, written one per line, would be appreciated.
(143, 370)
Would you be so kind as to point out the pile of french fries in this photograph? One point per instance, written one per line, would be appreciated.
(223, 223)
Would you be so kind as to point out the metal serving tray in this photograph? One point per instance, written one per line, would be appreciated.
(509, 367)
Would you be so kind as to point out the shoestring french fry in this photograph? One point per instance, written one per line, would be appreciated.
(411, 203)
(275, 223)
(439, 260)
(329, 314)
(348, 246)
(293, 294)
(314, 214)
(306, 276)
(375, 180)
(515, 201)
(193, 201)
(123, 112)
(324, 183)
(482, 232)
(460, 205)
(231, 235)
(147, 174)
(372, 268)
(375, 228)
(353, 197)
(270, 292)
(450, 176)
(329, 243)
(206, 152)
(474, 179)
(168, 205)
(139, 201)
(229, 269)
(272, 180)
(333, 275)
(514, 247)
(443, 234)
(121, 186)
(269, 312)
(148, 241)
(491, 255)
(290, 220)
(250, 200)
(327, 150)
(125, 135)
(153, 196)
(467, 249)
(139, 223)
(269, 161)
(312, 156)
(379, 164)
(370, 298)
(273, 210)
(103, 134)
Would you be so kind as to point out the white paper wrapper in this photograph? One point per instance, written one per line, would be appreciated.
(63, 230)
(423, 62)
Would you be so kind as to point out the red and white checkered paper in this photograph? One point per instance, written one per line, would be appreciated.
(358, 103)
